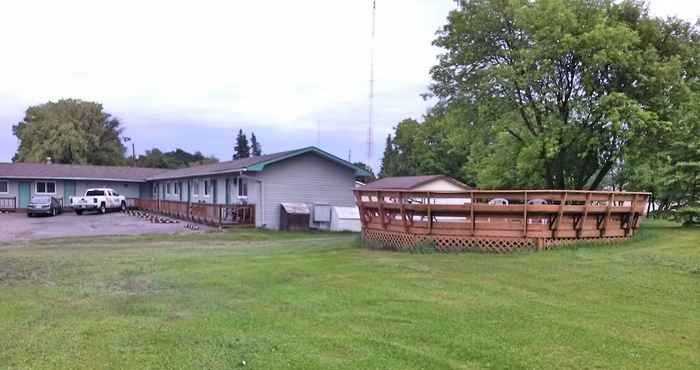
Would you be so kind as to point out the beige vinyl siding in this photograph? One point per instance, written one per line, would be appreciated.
(127, 189)
(439, 185)
(13, 189)
(309, 179)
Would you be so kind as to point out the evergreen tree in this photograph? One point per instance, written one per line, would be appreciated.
(390, 160)
(255, 146)
(242, 148)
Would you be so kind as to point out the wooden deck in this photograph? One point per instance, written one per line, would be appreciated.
(210, 214)
(499, 220)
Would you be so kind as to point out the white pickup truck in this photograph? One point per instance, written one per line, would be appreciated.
(99, 199)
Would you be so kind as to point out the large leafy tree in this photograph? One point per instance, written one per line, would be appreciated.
(69, 131)
(242, 147)
(439, 145)
(568, 87)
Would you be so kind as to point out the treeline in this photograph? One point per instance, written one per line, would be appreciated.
(177, 158)
(568, 94)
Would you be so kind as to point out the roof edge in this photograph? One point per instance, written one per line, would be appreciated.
(261, 165)
(71, 178)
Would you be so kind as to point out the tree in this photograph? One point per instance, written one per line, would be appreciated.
(173, 159)
(367, 168)
(390, 159)
(69, 131)
(242, 148)
(571, 86)
(255, 146)
(438, 145)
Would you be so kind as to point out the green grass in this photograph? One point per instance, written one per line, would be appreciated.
(318, 301)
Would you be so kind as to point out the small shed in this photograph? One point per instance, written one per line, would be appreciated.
(346, 219)
(417, 183)
(294, 216)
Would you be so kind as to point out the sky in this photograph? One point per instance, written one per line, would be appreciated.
(190, 74)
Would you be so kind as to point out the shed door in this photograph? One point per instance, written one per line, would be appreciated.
(24, 194)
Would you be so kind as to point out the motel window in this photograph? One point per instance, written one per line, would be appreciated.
(242, 188)
(4, 187)
(206, 188)
(45, 187)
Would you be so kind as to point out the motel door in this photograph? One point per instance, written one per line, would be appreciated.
(68, 191)
(24, 194)
(228, 191)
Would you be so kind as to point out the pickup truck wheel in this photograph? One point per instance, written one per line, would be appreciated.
(78, 212)
(123, 207)
(53, 212)
(103, 208)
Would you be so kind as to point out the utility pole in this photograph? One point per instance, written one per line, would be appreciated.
(133, 147)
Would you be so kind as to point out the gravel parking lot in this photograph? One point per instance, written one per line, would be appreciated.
(17, 226)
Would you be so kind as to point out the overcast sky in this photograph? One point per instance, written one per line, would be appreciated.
(189, 74)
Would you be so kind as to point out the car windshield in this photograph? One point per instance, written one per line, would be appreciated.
(93, 193)
(40, 199)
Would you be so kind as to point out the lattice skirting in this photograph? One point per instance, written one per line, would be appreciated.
(400, 241)
(552, 243)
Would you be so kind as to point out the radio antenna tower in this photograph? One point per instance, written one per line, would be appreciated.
(318, 133)
(370, 134)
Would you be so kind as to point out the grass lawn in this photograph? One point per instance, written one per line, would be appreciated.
(318, 301)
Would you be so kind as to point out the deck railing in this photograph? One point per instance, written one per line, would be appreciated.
(211, 214)
(8, 203)
(537, 216)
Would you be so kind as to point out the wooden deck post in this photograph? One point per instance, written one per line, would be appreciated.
(471, 213)
(562, 203)
(361, 207)
(525, 215)
(630, 215)
(582, 221)
(402, 205)
(430, 216)
(606, 218)
(220, 209)
(380, 199)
